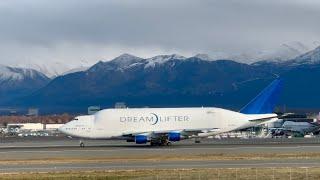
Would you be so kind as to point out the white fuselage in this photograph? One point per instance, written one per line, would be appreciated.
(115, 123)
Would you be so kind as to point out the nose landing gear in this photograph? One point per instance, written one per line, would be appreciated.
(81, 144)
(197, 140)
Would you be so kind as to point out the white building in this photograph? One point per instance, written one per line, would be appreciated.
(34, 126)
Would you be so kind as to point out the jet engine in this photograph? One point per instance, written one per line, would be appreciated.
(174, 136)
(141, 139)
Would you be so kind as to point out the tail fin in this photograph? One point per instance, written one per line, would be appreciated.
(265, 102)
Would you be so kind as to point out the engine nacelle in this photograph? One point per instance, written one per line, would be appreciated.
(141, 139)
(174, 136)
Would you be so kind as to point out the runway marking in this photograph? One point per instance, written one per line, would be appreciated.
(173, 149)
(50, 151)
(84, 150)
(156, 166)
(177, 149)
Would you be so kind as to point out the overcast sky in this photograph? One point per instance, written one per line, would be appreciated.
(74, 30)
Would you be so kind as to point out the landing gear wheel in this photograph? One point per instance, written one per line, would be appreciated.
(168, 143)
(155, 142)
(197, 140)
(81, 144)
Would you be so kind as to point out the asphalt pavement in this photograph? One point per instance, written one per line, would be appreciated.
(61, 154)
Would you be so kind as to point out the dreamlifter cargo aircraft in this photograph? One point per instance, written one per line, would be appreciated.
(161, 126)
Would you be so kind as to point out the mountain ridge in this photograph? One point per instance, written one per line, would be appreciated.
(174, 80)
(18, 82)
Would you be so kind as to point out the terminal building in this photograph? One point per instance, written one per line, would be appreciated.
(120, 105)
(30, 129)
(33, 112)
(34, 126)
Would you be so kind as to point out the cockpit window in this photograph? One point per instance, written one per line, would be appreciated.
(76, 119)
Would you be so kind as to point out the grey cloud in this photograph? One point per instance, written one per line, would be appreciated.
(143, 26)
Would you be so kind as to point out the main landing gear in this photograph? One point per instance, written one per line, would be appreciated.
(160, 142)
(81, 144)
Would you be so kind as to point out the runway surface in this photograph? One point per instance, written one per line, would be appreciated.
(37, 142)
(62, 154)
(153, 165)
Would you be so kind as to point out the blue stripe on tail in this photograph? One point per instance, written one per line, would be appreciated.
(266, 101)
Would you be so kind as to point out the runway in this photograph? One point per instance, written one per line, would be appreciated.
(153, 165)
(39, 142)
(144, 152)
(61, 154)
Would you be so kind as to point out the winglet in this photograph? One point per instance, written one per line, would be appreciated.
(266, 101)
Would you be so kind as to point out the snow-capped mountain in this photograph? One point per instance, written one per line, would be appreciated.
(49, 69)
(163, 79)
(284, 52)
(55, 69)
(125, 60)
(19, 82)
(316, 43)
(204, 57)
(18, 74)
(152, 62)
(179, 81)
(311, 57)
(79, 69)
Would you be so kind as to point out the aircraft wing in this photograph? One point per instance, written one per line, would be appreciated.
(184, 132)
(190, 133)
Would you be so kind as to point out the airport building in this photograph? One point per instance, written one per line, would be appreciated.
(33, 112)
(31, 129)
(34, 126)
(120, 105)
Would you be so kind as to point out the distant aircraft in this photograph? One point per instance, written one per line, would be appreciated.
(300, 127)
(161, 126)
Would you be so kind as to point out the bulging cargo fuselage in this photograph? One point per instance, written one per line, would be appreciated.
(116, 123)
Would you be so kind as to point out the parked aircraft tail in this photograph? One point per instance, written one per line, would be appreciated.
(266, 101)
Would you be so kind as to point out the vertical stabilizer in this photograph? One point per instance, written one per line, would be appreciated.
(266, 101)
